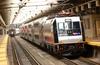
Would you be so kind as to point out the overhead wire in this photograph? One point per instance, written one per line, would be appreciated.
(17, 5)
(62, 4)
(57, 8)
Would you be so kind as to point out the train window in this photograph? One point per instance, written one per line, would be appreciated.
(22, 33)
(61, 26)
(37, 36)
(30, 35)
(76, 25)
(36, 24)
(29, 26)
(76, 28)
(25, 33)
(68, 25)
(66, 28)
(25, 27)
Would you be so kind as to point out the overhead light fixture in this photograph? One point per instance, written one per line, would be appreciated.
(15, 12)
(20, 0)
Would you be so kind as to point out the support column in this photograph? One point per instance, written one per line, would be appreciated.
(77, 10)
(89, 5)
(97, 3)
(82, 7)
(3, 32)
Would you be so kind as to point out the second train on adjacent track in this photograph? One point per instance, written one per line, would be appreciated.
(59, 35)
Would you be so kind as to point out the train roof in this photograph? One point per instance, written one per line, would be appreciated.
(50, 19)
(59, 16)
(73, 19)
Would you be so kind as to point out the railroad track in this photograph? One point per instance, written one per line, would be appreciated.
(68, 62)
(90, 62)
(79, 61)
(22, 56)
(16, 58)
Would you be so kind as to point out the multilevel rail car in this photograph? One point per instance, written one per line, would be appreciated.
(12, 32)
(58, 35)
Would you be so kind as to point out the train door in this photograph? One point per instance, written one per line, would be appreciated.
(55, 32)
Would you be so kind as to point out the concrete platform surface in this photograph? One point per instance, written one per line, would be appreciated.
(3, 50)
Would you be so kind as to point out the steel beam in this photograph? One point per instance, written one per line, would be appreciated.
(2, 22)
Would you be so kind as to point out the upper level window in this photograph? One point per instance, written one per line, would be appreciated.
(29, 26)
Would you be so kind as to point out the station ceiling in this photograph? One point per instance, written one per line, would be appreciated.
(3, 12)
(6, 12)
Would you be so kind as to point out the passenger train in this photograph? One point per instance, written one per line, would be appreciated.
(12, 32)
(59, 35)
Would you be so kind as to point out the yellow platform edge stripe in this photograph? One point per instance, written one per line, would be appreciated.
(93, 43)
(3, 43)
(5, 40)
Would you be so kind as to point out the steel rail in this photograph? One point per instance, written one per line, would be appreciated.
(88, 61)
(68, 62)
(31, 58)
(79, 61)
(15, 55)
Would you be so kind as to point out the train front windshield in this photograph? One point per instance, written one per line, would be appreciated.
(69, 28)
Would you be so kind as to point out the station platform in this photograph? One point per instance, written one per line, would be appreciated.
(93, 42)
(3, 50)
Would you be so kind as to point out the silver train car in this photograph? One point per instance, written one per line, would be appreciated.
(11, 32)
(58, 35)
